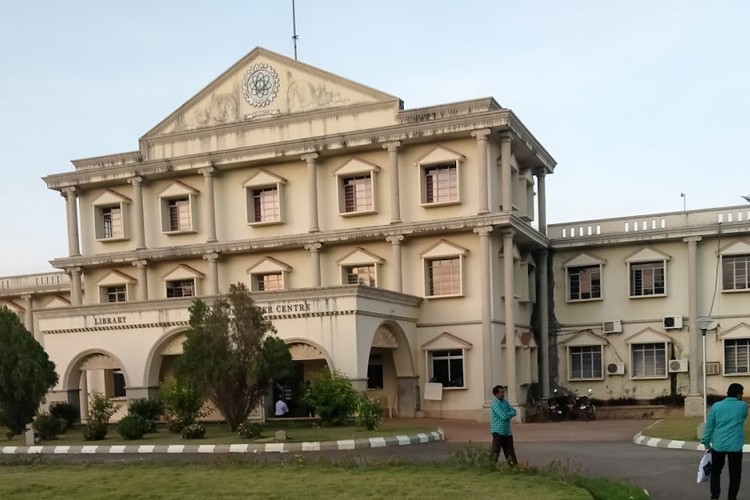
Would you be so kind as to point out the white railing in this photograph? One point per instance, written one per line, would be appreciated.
(34, 281)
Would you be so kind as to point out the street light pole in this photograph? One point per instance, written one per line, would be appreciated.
(705, 323)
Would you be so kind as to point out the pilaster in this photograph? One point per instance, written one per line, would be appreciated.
(142, 266)
(506, 175)
(486, 300)
(210, 211)
(139, 229)
(397, 278)
(314, 249)
(213, 272)
(312, 186)
(395, 197)
(76, 287)
(71, 198)
(482, 170)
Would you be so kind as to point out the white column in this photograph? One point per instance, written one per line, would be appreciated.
(510, 322)
(314, 249)
(84, 396)
(76, 289)
(139, 229)
(312, 187)
(542, 202)
(392, 148)
(694, 336)
(213, 273)
(506, 176)
(397, 278)
(70, 195)
(28, 313)
(142, 267)
(482, 170)
(543, 304)
(210, 211)
(486, 299)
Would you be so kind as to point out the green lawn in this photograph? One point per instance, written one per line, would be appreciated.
(289, 480)
(220, 434)
(682, 429)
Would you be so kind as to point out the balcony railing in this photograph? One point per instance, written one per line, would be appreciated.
(30, 282)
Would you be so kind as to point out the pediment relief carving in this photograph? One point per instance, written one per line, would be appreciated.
(384, 338)
(99, 362)
(173, 347)
(300, 351)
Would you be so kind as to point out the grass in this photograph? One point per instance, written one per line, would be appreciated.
(293, 479)
(682, 429)
(219, 433)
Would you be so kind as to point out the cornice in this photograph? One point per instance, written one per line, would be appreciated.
(531, 143)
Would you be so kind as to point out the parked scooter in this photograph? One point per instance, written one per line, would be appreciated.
(583, 408)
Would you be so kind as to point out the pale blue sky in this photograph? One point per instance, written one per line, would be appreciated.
(637, 101)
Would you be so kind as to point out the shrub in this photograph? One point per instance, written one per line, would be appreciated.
(669, 400)
(182, 402)
(193, 431)
(175, 426)
(333, 397)
(48, 426)
(713, 398)
(132, 427)
(369, 412)
(472, 456)
(250, 430)
(66, 411)
(101, 408)
(148, 409)
(95, 431)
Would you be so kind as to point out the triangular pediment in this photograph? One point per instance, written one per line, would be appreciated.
(356, 166)
(741, 331)
(182, 272)
(524, 339)
(446, 341)
(109, 197)
(741, 247)
(647, 254)
(584, 338)
(647, 336)
(443, 248)
(265, 85)
(263, 178)
(176, 189)
(440, 155)
(584, 259)
(360, 256)
(269, 265)
(115, 278)
(57, 301)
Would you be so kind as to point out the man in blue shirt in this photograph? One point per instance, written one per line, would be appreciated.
(501, 412)
(724, 433)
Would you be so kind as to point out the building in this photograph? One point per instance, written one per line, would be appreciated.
(395, 245)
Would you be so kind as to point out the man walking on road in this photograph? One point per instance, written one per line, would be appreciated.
(501, 412)
(725, 435)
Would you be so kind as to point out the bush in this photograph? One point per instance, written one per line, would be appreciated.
(149, 409)
(369, 413)
(250, 430)
(193, 431)
(175, 426)
(101, 408)
(132, 427)
(182, 402)
(713, 398)
(66, 411)
(333, 397)
(95, 431)
(676, 400)
(48, 426)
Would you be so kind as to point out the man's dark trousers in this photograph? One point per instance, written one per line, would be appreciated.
(506, 444)
(735, 472)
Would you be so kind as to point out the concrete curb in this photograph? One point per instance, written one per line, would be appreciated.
(673, 444)
(136, 449)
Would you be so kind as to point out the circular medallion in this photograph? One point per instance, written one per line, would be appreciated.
(261, 85)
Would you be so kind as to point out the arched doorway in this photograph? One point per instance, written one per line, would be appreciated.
(308, 359)
(97, 371)
(161, 359)
(391, 378)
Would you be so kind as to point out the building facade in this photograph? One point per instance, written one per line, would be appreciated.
(395, 245)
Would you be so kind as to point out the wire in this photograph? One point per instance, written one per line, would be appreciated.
(716, 273)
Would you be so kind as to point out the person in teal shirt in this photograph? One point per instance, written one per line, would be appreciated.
(724, 434)
(501, 412)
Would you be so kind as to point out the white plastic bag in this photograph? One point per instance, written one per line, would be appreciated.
(704, 467)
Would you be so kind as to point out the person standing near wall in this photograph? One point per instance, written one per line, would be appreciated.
(501, 413)
(724, 434)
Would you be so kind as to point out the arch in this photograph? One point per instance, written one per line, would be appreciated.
(390, 335)
(315, 345)
(71, 379)
(151, 370)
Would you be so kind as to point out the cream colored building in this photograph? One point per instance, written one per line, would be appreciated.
(395, 245)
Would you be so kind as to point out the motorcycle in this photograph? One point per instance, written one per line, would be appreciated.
(583, 408)
(557, 407)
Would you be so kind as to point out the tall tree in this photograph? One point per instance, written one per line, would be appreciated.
(231, 353)
(26, 373)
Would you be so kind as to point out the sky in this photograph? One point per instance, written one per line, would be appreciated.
(638, 101)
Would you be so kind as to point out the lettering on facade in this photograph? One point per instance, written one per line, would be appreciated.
(297, 307)
(109, 320)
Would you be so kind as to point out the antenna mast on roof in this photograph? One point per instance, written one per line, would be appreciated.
(294, 30)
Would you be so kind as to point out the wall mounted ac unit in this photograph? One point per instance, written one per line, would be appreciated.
(678, 365)
(713, 368)
(672, 322)
(616, 368)
(612, 326)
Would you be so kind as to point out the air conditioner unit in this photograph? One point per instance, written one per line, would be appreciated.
(672, 322)
(612, 326)
(713, 368)
(678, 365)
(616, 368)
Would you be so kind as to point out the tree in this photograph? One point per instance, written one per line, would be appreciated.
(232, 353)
(333, 397)
(26, 374)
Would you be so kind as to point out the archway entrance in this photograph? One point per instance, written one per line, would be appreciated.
(307, 360)
(98, 372)
(391, 378)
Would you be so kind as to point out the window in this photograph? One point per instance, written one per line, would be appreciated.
(444, 276)
(116, 293)
(441, 183)
(737, 356)
(362, 275)
(181, 288)
(735, 272)
(447, 367)
(268, 282)
(178, 205)
(357, 194)
(266, 205)
(268, 275)
(584, 283)
(112, 222)
(647, 279)
(110, 216)
(179, 214)
(118, 384)
(375, 372)
(585, 362)
(649, 360)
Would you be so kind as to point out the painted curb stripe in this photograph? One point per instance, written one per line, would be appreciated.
(275, 448)
(403, 440)
(377, 442)
(237, 448)
(345, 444)
(117, 449)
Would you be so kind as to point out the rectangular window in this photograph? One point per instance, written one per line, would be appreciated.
(647, 278)
(441, 183)
(447, 367)
(735, 272)
(358, 194)
(111, 222)
(586, 362)
(375, 372)
(118, 384)
(266, 205)
(269, 282)
(363, 275)
(584, 283)
(444, 276)
(180, 288)
(737, 356)
(116, 293)
(649, 360)
(179, 214)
